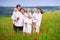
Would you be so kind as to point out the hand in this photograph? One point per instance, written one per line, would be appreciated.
(29, 17)
(15, 20)
(18, 18)
(35, 18)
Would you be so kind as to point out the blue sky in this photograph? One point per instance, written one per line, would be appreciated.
(13, 3)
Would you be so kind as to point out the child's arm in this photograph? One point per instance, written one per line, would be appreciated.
(27, 16)
(35, 18)
(13, 17)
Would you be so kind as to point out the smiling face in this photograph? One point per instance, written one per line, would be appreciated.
(28, 10)
(22, 11)
(39, 10)
(18, 7)
(35, 10)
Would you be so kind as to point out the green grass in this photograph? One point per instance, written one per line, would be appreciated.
(49, 29)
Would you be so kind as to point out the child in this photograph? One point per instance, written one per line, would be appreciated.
(34, 19)
(27, 22)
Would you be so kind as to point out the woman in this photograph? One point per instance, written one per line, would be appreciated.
(27, 21)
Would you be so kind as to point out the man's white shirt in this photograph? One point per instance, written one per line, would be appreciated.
(15, 16)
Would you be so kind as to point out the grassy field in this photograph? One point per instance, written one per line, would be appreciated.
(49, 29)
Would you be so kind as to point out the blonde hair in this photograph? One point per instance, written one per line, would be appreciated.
(35, 9)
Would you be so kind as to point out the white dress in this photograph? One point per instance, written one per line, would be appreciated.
(38, 23)
(29, 22)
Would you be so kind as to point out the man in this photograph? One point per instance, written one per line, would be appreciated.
(17, 18)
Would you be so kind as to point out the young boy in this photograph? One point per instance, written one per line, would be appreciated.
(27, 22)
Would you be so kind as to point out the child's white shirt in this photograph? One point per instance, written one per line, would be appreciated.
(13, 16)
(34, 17)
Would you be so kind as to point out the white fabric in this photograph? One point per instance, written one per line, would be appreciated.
(13, 16)
(38, 23)
(27, 28)
(27, 20)
(20, 21)
(34, 17)
(38, 17)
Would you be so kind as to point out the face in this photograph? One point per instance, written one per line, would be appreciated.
(35, 10)
(19, 8)
(28, 10)
(38, 10)
(22, 11)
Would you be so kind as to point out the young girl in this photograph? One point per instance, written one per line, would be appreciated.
(27, 22)
(34, 19)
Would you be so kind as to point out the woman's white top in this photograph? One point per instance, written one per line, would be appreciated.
(26, 19)
(37, 17)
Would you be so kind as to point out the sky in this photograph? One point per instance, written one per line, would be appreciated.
(13, 3)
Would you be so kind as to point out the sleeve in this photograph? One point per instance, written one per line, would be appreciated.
(13, 16)
(40, 17)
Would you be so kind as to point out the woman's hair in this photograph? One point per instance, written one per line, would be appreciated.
(39, 9)
(22, 9)
(18, 5)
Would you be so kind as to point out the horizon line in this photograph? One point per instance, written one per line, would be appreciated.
(22, 6)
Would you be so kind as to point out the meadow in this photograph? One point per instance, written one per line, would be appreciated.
(49, 29)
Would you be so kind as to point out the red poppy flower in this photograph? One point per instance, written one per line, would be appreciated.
(4, 25)
(47, 30)
(46, 21)
(35, 38)
(11, 29)
(0, 35)
(18, 35)
(56, 36)
(56, 29)
(11, 34)
(25, 33)
(5, 34)
(2, 38)
(50, 35)
(41, 30)
(58, 24)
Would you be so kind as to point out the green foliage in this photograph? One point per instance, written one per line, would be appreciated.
(42, 11)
